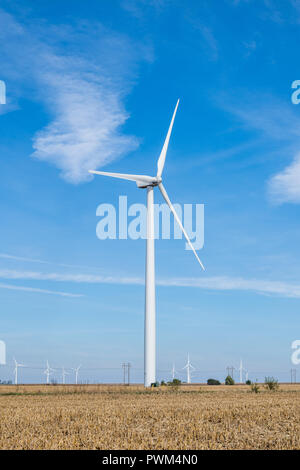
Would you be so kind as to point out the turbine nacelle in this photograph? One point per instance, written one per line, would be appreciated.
(153, 181)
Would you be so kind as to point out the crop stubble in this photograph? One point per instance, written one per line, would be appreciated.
(115, 417)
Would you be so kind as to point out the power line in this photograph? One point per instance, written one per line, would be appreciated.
(126, 372)
(293, 376)
(230, 371)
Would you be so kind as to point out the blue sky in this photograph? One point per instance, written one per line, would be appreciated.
(94, 86)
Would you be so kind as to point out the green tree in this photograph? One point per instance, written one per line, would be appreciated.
(175, 384)
(213, 382)
(229, 380)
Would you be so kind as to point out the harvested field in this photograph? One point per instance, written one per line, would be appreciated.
(120, 417)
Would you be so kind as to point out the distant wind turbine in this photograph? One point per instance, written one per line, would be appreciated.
(173, 371)
(149, 183)
(241, 370)
(76, 370)
(188, 368)
(16, 370)
(48, 371)
(63, 374)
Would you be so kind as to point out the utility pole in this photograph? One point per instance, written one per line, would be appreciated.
(293, 376)
(126, 371)
(230, 371)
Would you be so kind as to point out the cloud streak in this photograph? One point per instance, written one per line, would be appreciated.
(216, 283)
(238, 284)
(272, 117)
(40, 261)
(38, 291)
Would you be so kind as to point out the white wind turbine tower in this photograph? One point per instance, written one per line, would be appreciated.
(149, 183)
(173, 371)
(241, 370)
(63, 374)
(76, 370)
(16, 370)
(188, 368)
(48, 371)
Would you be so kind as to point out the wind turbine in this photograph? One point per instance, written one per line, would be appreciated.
(173, 371)
(188, 368)
(76, 370)
(149, 183)
(48, 371)
(63, 374)
(16, 370)
(241, 369)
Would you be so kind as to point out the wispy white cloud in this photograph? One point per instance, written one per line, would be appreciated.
(238, 2)
(216, 283)
(137, 7)
(285, 186)
(277, 11)
(87, 116)
(40, 261)
(67, 277)
(250, 47)
(280, 12)
(83, 92)
(236, 283)
(279, 122)
(208, 39)
(224, 154)
(37, 290)
(22, 258)
(265, 113)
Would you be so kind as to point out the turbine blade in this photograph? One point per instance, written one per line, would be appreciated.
(166, 198)
(137, 178)
(163, 153)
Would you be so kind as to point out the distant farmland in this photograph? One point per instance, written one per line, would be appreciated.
(120, 417)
